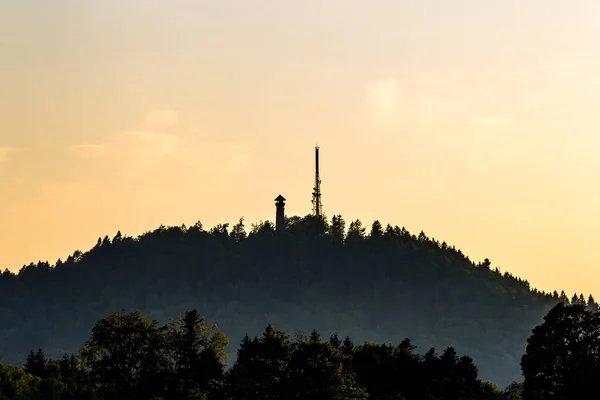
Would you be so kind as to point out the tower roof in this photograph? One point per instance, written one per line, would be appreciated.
(280, 198)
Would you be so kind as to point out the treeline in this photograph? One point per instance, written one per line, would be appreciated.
(130, 357)
(383, 285)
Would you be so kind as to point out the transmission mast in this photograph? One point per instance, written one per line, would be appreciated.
(316, 197)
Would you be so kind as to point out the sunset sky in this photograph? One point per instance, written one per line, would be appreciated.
(474, 121)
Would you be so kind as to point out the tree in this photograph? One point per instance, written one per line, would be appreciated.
(561, 359)
(356, 232)
(377, 369)
(555, 295)
(407, 345)
(335, 340)
(337, 228)
(118, 237)
(314, 336)
(239, 232)
(486, 264)
(376, 230)
(514, 391)
(317, 372)
(592, 306)
(220, 230)
(261, 228)
(261, 367)
(36, 363)
(126, 356)
(563, 297)
(348, 347)
(69, 366)
(198, 353)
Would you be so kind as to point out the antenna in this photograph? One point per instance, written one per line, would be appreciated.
(316, 197)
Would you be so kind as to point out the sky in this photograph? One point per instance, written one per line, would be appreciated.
(476, 122)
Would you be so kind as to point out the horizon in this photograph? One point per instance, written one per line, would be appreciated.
(473, 123)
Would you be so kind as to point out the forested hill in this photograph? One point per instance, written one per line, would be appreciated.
(383, 286)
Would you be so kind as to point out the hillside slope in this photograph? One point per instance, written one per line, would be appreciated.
(383, 287)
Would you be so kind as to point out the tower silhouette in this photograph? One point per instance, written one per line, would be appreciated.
(316, 198)
(280, 214)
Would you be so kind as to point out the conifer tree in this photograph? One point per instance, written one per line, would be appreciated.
(348, 346)
(335, 340)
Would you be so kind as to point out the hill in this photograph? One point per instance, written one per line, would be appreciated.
(381, 287)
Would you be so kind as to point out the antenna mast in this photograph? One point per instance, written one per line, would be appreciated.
(316, 198)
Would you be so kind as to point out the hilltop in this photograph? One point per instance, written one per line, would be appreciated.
(383, 286)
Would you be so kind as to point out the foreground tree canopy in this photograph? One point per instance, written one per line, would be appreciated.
(384, 285)
(563, 355)
(130, 357)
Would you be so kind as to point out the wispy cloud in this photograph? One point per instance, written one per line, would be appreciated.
(89, 150)
(150, 142)
(137, 153)
(129, 144)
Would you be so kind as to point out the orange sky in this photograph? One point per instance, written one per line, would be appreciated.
(473, 121)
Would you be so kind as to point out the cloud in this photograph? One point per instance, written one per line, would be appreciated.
(125, 142)
(137, 150)
(89, 150)
(5, 151)
(146, 155)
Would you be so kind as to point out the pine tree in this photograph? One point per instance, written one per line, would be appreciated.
(335, 340)
(376, 230)
(356, 231)
(406, 344)
(338, 228)
(592, 305)
(315, 336)
(563, 298)
(36, 363)
(318, 371)
(348, 346)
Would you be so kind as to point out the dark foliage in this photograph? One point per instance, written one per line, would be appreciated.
(130, 357)
(562, 361)
(384, 286)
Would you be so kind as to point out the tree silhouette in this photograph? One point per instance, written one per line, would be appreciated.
(338, 228)
(238, 232)
(36, 363)
(129, 356)
(198, 352)
(260, 368)
(562, 356)
(125, 355)
(316, 372)
(313, 275)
